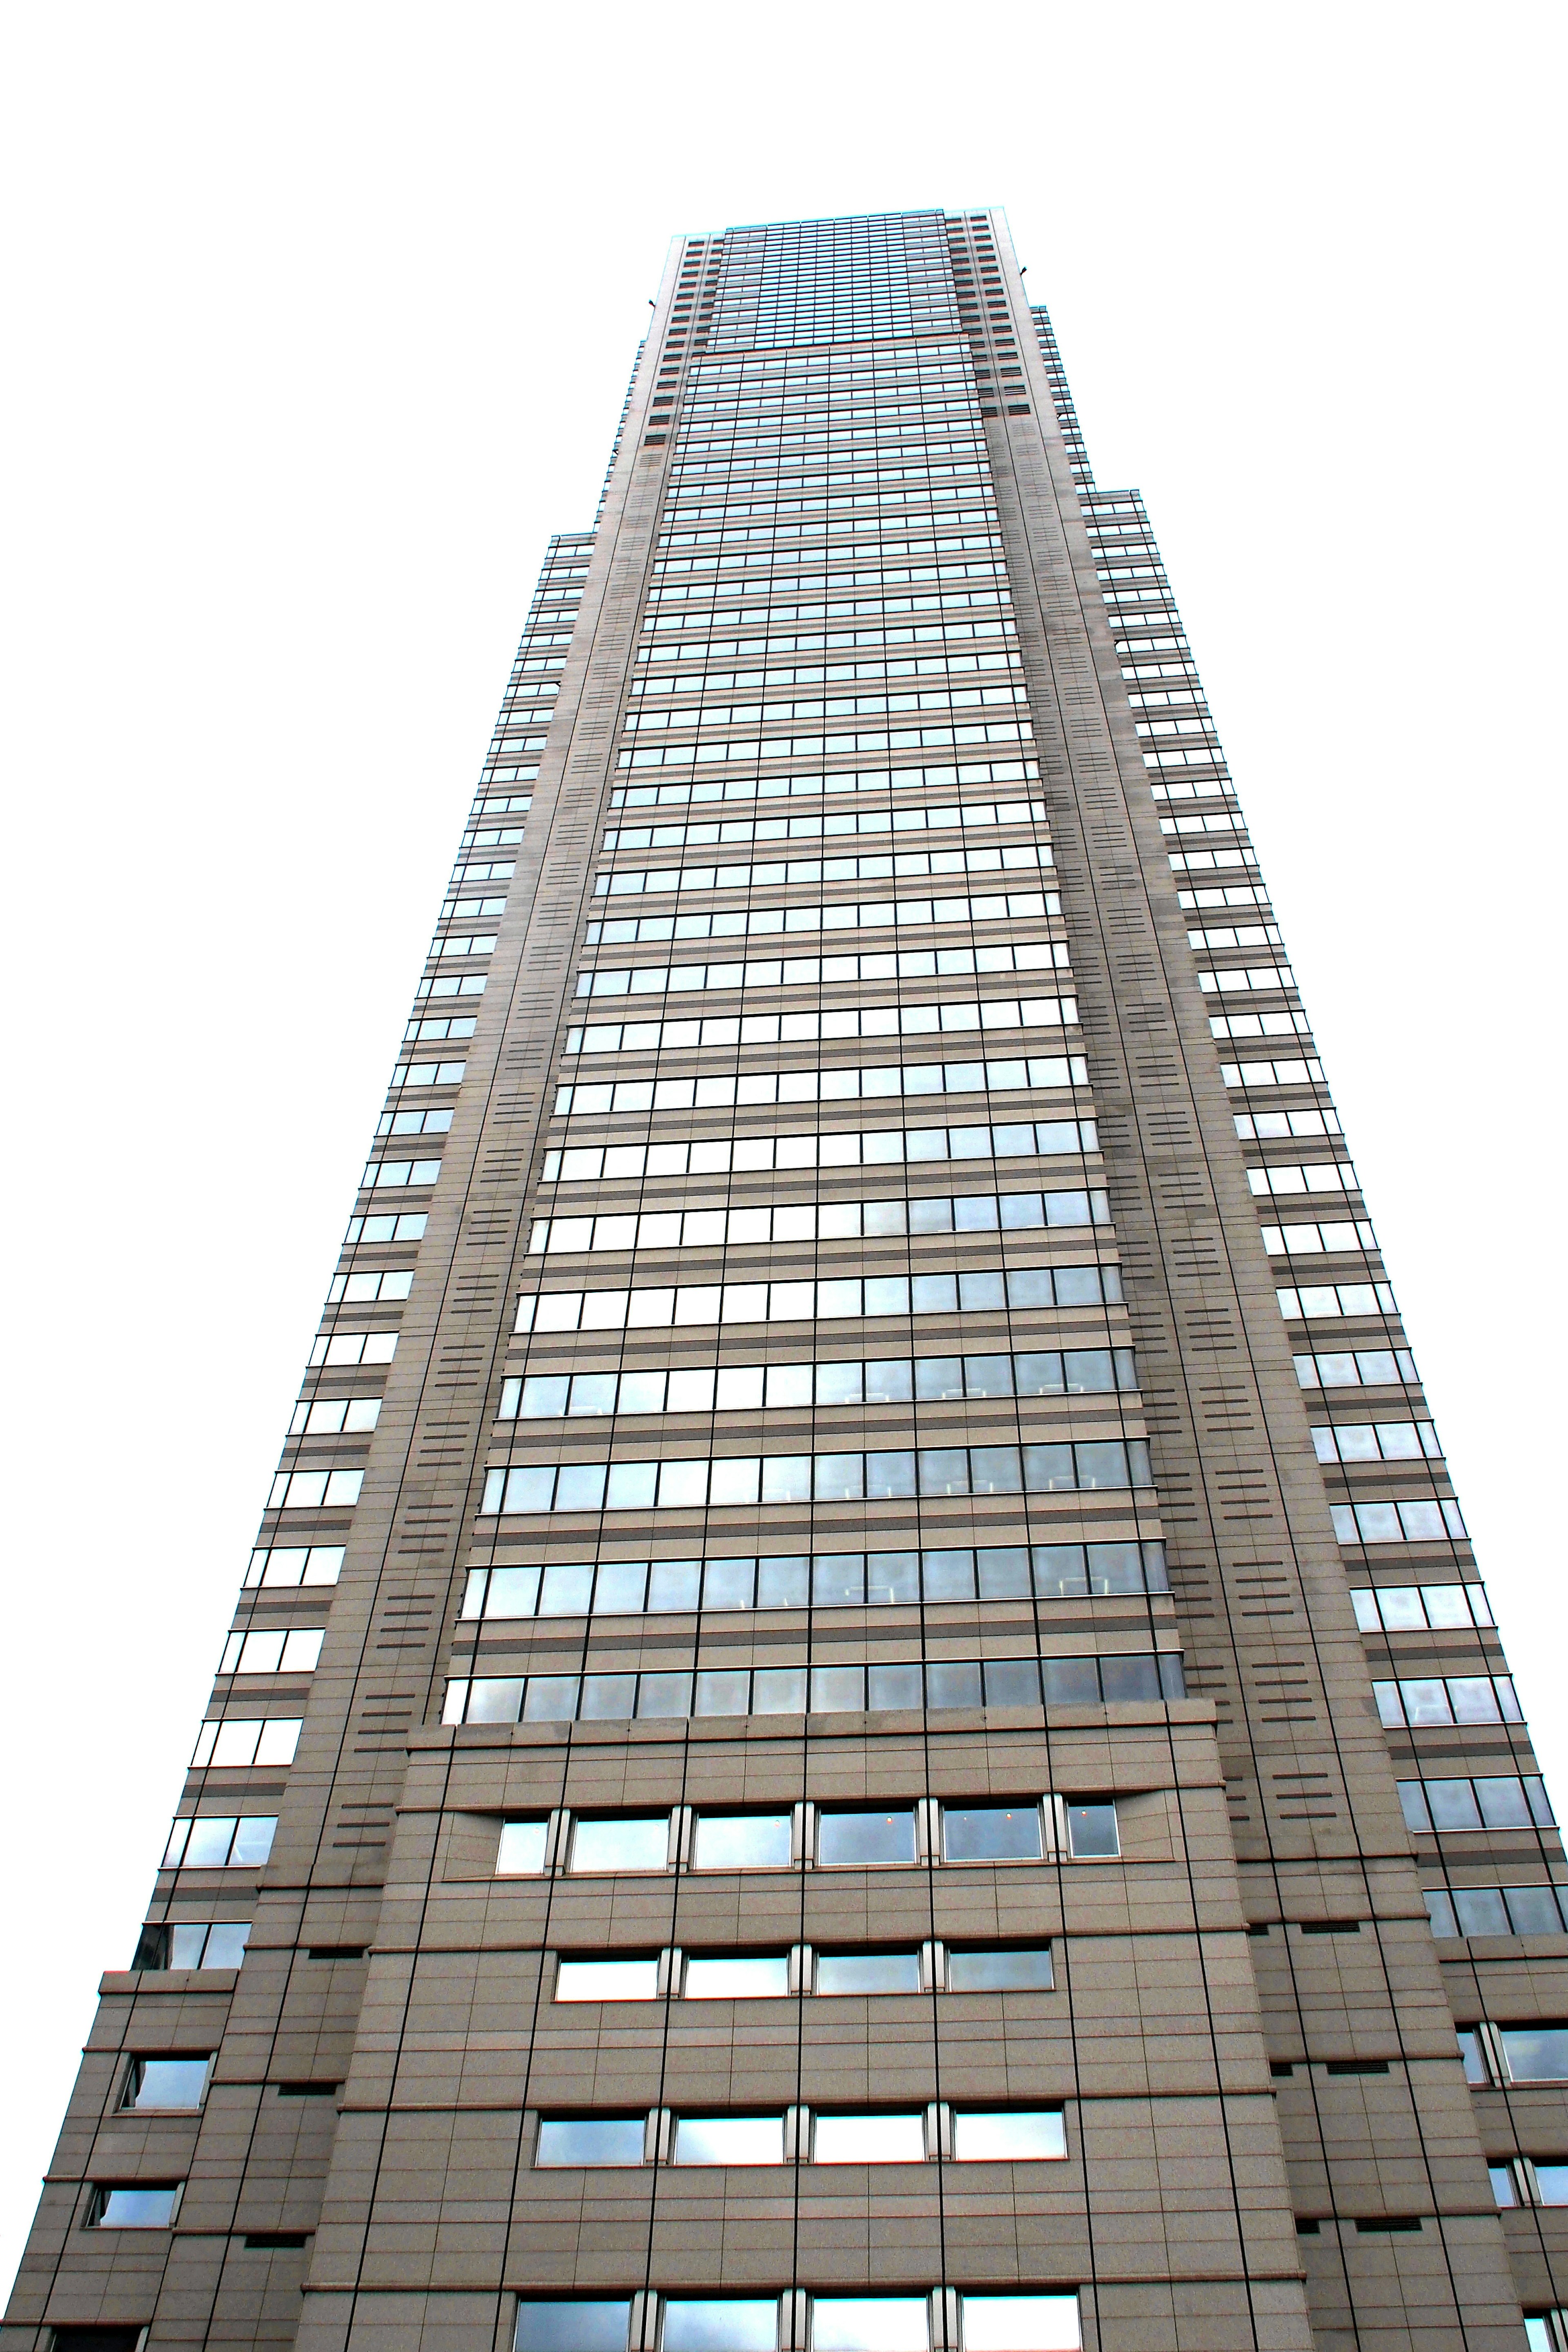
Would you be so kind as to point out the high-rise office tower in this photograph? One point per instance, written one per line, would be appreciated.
(862, 1720)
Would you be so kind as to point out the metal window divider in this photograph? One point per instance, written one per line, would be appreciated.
(1058, 1847)
(682, 1828)
(944, 2319)
(1490, 2041)
(803, 1834)
(557, 1838)
(795, 2320)
(798, 2135)
(800, 1968)
(659, 2134)
(671, 1962)
(933, 1966)
(928, 1830)
(938, 2124)
(642, 2331)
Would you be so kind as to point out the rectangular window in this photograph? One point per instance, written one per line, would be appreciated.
(992, 1833)
(979, 1967)
(869, 2324)
(1013, 2136)
(590, 2140)
(1020, 2323)
(564, 2327)
(743, 1842)
(135, 2208)
(1092, 1834)
(620, 1845)
(869, 2139)
(605, 1980)
(729, 2139)
(848, 1839)
(868, 1972)
(1535, 2053)
(736, 1977)
(712, 2325)
(154, 2082)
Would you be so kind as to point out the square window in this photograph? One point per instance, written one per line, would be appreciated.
(1092, 1833)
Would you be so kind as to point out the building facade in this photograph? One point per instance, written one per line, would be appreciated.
(862, 1720)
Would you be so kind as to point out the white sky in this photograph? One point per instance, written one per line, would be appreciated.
(318, 321)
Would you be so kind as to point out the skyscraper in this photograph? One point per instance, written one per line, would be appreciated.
(862, 1719)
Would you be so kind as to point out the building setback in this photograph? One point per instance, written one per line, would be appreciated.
(862, 1720)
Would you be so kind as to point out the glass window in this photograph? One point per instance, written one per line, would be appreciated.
(521, 1854)
(869, 2139)
(882, 2323)
(991, 1833)
(729, 2139)
(979, 1969)
(226, 1943)
(621, 1844)
(741, 1842)
(1092, 1833)
(1471, 2055)
(136, 2208)
(607, 1981)
(765, 1977)
(1536, 2053)
(590, 2139)
(166, 2082)
(1504, 2188)
(711, 2325)
(1011, 2136)
(866, 1972)
(1020, 2323)
(572, 2326)
(1552, 2182)
(847, 1839)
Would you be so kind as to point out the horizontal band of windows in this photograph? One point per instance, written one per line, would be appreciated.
(394, 1175)
(1237, 1026)
(1377, 1440)
(469, 983)
(1498, 1911)
(359, 1289)
(634, 882)
(315, 1490)
(1135, 1679)
(1414, 1608)
(845, 1148)
(1262, 978)
(751, 751)
(336, 1348)
(867, 914)
(1417, 1701)
(335, 1417)
(193, 1944)
(656, 1307)
(473, 910)
(1272, 1125)
(978, 2323)
(287, 1565)
(804, 1221)
(1336, 1299)
(920, 819)
(750, 1388)
(953, 700)
(415, 1122)
(779, 574)
(244, 1740)
(931, 1967)
(1279, 1181)
(801, 2135)
(428, 1073)
(991, 603)
(619, 1588)
(440, 1026)
(1432, 1521)
(898, 1475)
(815, 971)
(273, 1650)
(817, 784)
(220, 1841)
(760, 1090)
(1502, 1802)
(854, 1081)
(1235, 894)
(1317, 1240)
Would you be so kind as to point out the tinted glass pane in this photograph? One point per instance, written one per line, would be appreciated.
(607, 1981)
(729, 2139)
(621, 1845)
(1537, 2055)
(1009, 2138)
(1092, 1833)
(572, 2326)
(522, 1853)
(982, 1971)
(868, 2324)
(991, 1833)
(850, 1838)
(717, 2326)
(863, 1972)
(169, 2083)
(869, 2139)
(743, 1842)
(590, 2140)
(764, 1978)
(138, 2209)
